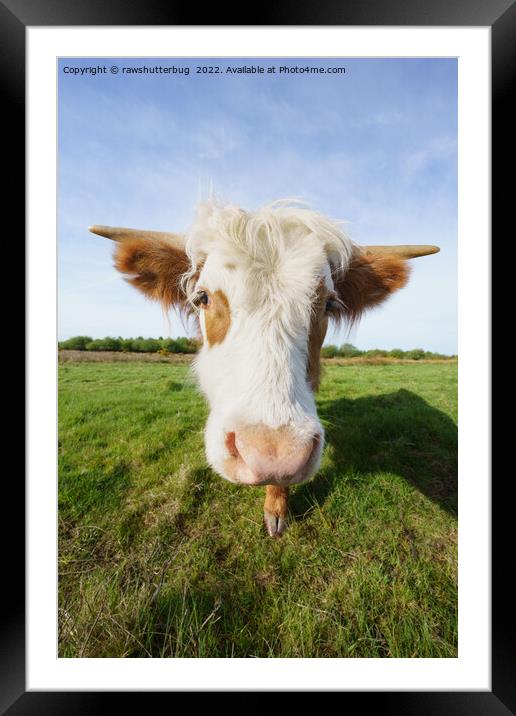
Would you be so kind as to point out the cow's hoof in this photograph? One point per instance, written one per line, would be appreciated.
(276, 526)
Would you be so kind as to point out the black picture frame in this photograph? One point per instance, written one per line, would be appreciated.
(500, 16)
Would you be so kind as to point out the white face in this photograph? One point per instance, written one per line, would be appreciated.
(260, 303)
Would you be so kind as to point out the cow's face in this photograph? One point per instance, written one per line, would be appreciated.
(264, 287)
(264, 292)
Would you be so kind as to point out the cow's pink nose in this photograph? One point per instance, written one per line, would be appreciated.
(270, 456)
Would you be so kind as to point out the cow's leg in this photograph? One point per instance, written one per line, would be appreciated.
(275, 510)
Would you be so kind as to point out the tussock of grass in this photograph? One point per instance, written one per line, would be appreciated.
(160, 557)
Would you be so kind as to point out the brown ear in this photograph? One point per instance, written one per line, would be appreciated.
(368, 281)
(155, 267)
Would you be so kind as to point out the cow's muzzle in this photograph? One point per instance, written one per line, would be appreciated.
(260, 455)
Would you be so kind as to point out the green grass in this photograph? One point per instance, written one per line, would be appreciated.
(160, 557)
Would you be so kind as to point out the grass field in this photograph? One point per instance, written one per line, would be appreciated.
(160, 557)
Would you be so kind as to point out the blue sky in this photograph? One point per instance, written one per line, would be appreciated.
(375, 147)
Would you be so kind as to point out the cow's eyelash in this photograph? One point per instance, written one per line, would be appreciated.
(200, 298)
(334, 305)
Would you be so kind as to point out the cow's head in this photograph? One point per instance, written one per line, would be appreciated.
(264, 286)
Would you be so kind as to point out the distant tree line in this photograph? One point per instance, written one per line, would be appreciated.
(350, 351)
(131, 345)
(191, 345)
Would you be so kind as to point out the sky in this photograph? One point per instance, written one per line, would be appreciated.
(374, 147)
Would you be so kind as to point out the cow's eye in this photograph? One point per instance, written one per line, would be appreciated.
(202, 299)
(332, 305)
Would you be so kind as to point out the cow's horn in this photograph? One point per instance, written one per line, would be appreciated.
(404, 251)
(118, 233)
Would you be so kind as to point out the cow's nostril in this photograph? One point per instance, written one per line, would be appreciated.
(231, 444)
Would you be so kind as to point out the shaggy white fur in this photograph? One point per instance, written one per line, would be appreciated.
(268, 264)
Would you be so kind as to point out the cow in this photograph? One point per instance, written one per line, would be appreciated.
(263, 287)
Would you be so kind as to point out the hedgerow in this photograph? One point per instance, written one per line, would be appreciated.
(182, 344)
